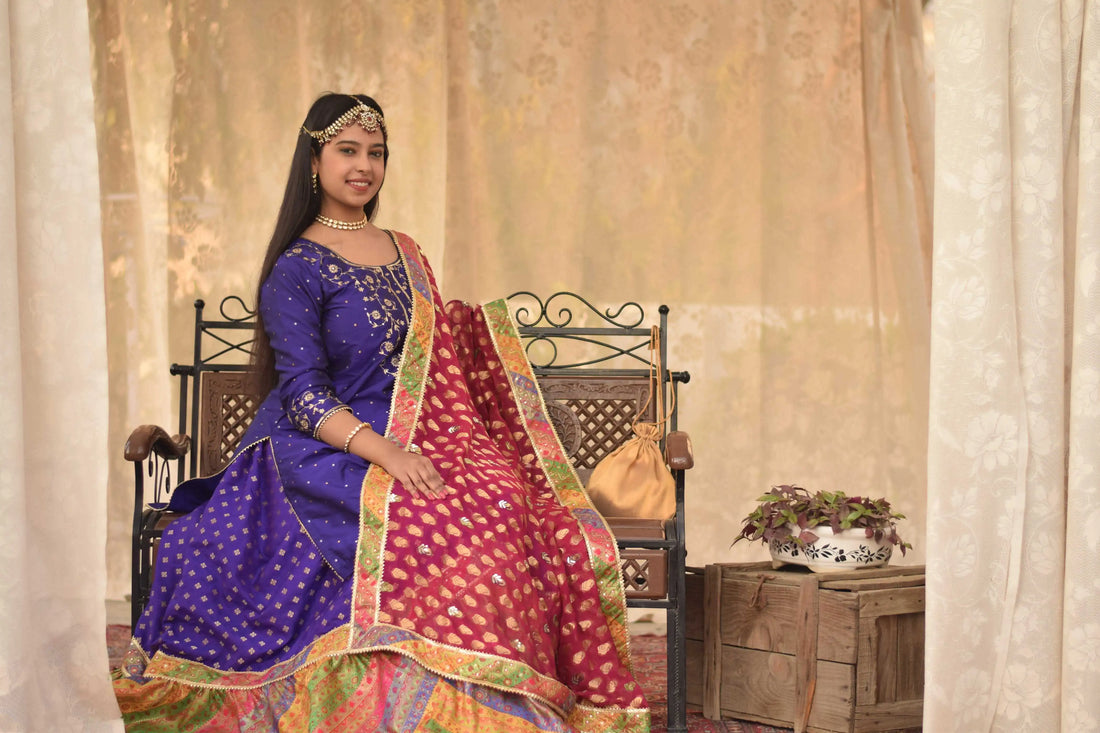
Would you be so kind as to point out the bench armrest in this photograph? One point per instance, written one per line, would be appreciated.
(678, 451)
(147, 439)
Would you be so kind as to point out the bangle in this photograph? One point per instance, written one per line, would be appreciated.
(354, 431)
(327, 415)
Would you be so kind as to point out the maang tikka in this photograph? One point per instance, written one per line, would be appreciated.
(368, 118)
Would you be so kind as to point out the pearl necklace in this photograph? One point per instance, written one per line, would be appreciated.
(339, 224)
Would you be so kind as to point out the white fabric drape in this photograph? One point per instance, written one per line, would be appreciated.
(53, 379)
(1013, 626)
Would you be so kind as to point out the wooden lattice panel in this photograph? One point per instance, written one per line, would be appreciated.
(237, 413)
(229, 403)
(636, 574)
(605, 425)
(645, 573)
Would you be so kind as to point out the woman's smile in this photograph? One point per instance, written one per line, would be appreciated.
(351, 169)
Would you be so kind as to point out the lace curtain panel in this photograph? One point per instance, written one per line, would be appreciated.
(1013, 620)
(53, 422)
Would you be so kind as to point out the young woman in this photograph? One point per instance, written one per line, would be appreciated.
(401, 544)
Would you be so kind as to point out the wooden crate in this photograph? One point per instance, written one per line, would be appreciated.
(821, 653)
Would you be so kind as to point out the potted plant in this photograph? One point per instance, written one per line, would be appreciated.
(827, 530)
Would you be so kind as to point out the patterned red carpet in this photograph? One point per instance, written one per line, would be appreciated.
(649, 665)
(118, 638)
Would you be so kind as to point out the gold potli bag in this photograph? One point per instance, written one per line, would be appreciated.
(633, 480)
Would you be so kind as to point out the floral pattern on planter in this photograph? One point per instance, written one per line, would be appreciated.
(849, 550)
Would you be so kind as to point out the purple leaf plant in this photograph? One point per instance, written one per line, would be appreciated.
(789, 513)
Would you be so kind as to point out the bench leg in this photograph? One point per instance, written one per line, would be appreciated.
(677, 653)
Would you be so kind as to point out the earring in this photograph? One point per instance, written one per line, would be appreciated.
(314, 183)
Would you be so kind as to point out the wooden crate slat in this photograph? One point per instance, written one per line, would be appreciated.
(869, 578)
(809, 620)
(694, 651)
(903, 581)
(891, 716)
(910, 662)
(770, 622)
(693, 633)
(693, 601)
(713, 590)
(886, 682)
(766, 681)
(886, 602)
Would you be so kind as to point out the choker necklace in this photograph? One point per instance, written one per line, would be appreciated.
(339, 224)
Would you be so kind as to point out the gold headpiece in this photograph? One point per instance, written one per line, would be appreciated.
(368, 118)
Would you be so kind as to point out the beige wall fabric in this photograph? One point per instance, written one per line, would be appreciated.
(53, 379)
(1014, 599)
(763, 168)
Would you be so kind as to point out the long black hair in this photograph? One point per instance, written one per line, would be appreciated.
(300, 207)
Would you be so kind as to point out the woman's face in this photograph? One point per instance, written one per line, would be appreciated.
(350, 169)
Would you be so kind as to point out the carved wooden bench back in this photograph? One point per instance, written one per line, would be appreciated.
(227, 404)
(593, 415)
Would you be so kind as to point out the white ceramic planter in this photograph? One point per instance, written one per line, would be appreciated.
(851, 549)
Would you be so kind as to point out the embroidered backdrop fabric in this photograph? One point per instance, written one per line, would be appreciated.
(762, 168)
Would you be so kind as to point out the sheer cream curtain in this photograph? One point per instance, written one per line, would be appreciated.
(1013, 619)
(763, 168)
(53, 381)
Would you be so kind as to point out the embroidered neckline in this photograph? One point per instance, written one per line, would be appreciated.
(326, 251)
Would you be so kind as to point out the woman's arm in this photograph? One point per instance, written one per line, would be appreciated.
(291, 303)
(415, 471)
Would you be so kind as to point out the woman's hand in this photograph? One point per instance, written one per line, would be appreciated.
(344, 430)
(415, 471)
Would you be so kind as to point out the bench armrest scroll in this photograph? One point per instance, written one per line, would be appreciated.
(147, 439)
